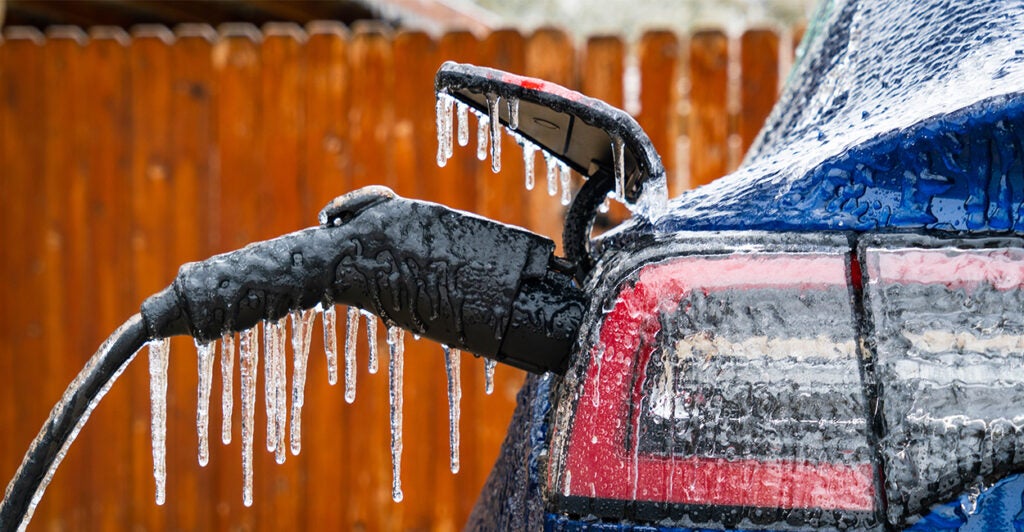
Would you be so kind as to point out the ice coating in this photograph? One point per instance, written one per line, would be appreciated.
(248, 362)
(493, 101)
(351, 329)
(158, 357)
(205, 353)
(482, 134)
(371, 339)
(227, 376)
(330, 323)
(302, 325)
(463, 112)
(489, 365)
(453, 371)
(396, 367)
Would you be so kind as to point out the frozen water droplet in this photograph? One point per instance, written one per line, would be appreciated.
(513, 113)
(158, 356)
(396, 368)
(371, 338)
(529, 150)
(482, 134)
(227, 377)
(551, 169)
(351, 329)
(463, 111)
(563, 179)
(205, 352)
(330, 321)
(454, 373)
(442, 108)
(489, 375)
(248, 362)
(619, 161)
(302, 324)
(449, 103)
(606, 205)
(492, 109)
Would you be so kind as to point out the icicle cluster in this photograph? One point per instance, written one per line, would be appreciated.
(489, 141)
(275, 375)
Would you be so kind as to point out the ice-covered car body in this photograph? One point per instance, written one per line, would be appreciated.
(829, 337)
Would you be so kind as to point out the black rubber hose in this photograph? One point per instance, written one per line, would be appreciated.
(66, 419)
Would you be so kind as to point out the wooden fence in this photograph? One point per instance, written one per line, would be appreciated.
(123, 156)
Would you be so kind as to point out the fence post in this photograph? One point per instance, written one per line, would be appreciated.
(709, 114)
(759, 82)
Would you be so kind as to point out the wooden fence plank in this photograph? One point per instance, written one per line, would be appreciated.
(550, 55)
(61, 59)
(106, 154)
(602, 76)
(759, 82)
(327, 152)
(457, 187)
(709, 125)
(658, 55)
(502, 197)
(239, 211)
(22, 115)
(192, 139)
(415, 62)
(283, 123)
(370, 118)
(150, 207)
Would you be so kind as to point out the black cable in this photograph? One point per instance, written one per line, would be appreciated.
(66, 419)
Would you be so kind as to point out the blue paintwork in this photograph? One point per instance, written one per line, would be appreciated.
(899, 116)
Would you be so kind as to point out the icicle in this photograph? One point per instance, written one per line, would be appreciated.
(248, 362)
(492, 109)
(449, 103)
(513, 113)
(529, 150)
(281, 392)
(227, 376)
(158, 356)
(463, 111)
(302, 324)
(606, 205)
(482, 132)
(453, 371)
(563, 179)
(551, 177)
(396, 367)
(439, 109)
(619, 161)
(371, 338)
(270, 356)
(330, 321)
(489, 375)
(205, 354)
(351, 329)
